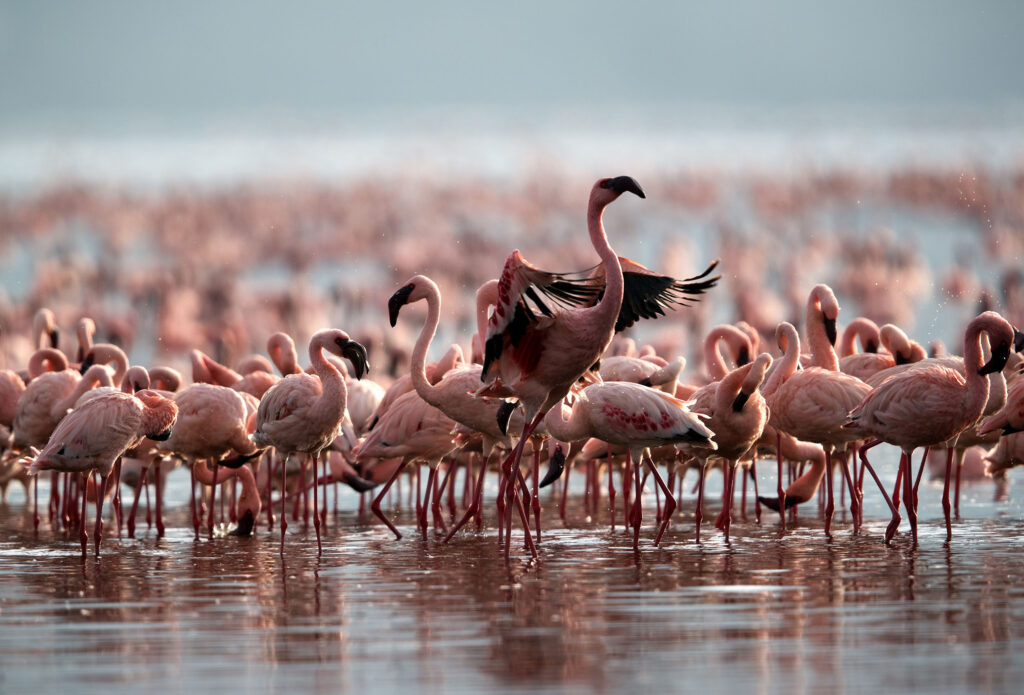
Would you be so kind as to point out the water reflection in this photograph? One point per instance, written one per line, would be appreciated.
(764, 614)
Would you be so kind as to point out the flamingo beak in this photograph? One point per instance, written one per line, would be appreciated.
(1010, 429)
(740, 401)
(397, 301)
(504, 415)
(830, 331)
(1000, 356)
(245, 527)
(54, 338)
(871, 347)
(239, 461)
(161, 436)
(555, 467)
(744, 357)
(623, 184)
(87, 362)
(356, 354)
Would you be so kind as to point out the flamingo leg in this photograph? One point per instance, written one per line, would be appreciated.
(898, 486)
(830, 506)
(636, 516)
(135, 502)
(54, 497)
(890, 531)
(611, 488)
(920, 472)
(945, 495)
(474, 503)
(428, 496)
(192, 498)
(158, 493)
(149, 515)
(908, 495)
(854, 500)
(536, 489)
(956, 489)
(435, 506)
(757, 501)
(82, 535)
(375, 505)
(35, 506)
(700, 500)
(284, 495)
(101, 491)
(316, 507)
(270, 492)
(781, 490)
(213, 499)
(670, 501)
(565, 491)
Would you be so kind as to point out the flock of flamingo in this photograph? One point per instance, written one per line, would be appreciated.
(546, 378)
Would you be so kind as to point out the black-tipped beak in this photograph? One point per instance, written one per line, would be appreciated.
(241, 460)
(1010, 429)
(87, 362)
(356, 354)
(901, 358)
(246, 525)
(54, 338)
(871, 346)
(646, 381)
(1000, 356)
(623, 184)
(830, 331)
(744, 357)
(358, 484)
(1018, 341)
(504, 415)
(773, 502)
(740, 401)
(555, 467)
(161, 436)
(399, 299)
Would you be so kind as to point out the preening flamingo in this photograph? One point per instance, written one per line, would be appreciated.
(930, 405)
(302, 413)
(92, 437)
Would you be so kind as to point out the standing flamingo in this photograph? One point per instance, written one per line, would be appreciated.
(94, 436)
(634, 416)
(302, 413)
(930, 405)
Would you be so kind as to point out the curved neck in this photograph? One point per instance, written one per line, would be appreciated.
(822, 353)
(107, 353)
(334, 392)
(95, 376)
(281, 349)
(860, 328)
(418, 371)
(46, 360)
(974, 358)
(737, 341)
(608, 308)
(577, 427)
(486, 297)
(785, 367)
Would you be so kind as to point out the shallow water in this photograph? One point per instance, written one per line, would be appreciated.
(767, 613)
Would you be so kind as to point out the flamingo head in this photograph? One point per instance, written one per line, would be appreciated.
(419, 287)
(607, 190)
(354, 352)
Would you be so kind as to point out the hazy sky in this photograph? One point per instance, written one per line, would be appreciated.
(163, 61)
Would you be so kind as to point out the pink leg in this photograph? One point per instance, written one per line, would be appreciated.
(611, 488)
(700, 499)
(213, 498)
(854, 497)
(781, 489)
(35, 505)
(670, 502)
(375, 505)
(192, 498)
(636, 513)
(284, 496)
(82, 535)
(427, 498)
(101, 491)
(743, 495)
(149, 515)
(898, 487)
(159, 501)
(439, 489)
(270, 491)
(116, 499)
(830, 506)
(536, 489)
(917, 478)
(565, 491)
(474, 504)
(956, 491)
(908, 495)
(135, 502)
(945, 495)
(316, 508)
(757, 495)
(890, 531)
(323, 510)
(54, 496)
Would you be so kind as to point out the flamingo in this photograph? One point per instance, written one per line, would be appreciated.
(95, 435)
(899, 349)
(812, 404)
(302, 413)
(636, 417)
(931, 404)
(737, 414)
(538, 359)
